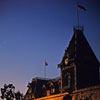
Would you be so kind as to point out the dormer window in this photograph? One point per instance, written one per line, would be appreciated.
(30, 90)
(44, 90)
(52, 89)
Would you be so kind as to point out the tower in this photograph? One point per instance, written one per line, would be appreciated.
(79, 65)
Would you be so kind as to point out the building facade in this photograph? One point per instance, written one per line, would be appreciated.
(79, 78)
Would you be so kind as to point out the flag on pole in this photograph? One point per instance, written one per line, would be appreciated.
(81, 8)
(46, 63)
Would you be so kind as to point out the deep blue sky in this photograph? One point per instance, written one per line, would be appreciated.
(34, 30)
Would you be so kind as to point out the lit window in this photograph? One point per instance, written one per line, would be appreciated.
(44, 90)
(48, 92)
(52, 88)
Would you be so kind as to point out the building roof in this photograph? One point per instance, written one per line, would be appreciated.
(80, 54)
(78, 47)
(37, 85)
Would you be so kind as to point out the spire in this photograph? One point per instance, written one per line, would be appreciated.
(80, 55)
(78, 48)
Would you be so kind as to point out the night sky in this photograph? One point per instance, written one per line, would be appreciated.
(32, 31)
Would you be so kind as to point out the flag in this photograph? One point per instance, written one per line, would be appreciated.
(81, 8)
(46, 63)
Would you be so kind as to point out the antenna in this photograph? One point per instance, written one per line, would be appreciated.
(77, 13)
(46, 64)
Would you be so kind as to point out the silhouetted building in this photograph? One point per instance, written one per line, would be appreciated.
(79, 75)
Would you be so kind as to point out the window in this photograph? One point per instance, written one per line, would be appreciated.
(52, 89)
(48, 92)
(44, 90)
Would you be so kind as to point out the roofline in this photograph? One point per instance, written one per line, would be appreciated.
(41, 78)
(53, 96)
(86, 89)
(47, 79)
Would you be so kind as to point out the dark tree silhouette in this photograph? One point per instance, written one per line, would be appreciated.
(8, 92)
(19, 96)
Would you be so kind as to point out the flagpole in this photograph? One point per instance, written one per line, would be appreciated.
(45, 70)
(77, 16)
(46, 64)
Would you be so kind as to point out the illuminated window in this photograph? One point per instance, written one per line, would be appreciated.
(44, 90)
(48, 92)
(52, 89)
